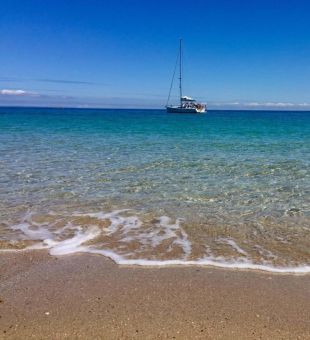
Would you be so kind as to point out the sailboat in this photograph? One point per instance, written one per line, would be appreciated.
(187, 104)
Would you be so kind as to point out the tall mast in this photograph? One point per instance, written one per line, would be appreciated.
(180, 78)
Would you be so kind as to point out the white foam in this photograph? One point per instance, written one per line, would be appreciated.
(208, 261)
(74, 244)
(124, 229)
(234, 245)
(37, 234)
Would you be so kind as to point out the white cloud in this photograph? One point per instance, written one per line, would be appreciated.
(304, 105)
(225, 103)
(6, 92)
(262, 105)
(276, 104)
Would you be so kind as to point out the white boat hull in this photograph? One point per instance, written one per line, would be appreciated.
(177, 109)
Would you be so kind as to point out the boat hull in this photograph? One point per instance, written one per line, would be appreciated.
(176, 109)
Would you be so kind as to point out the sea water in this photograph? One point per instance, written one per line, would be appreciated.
(144, 187)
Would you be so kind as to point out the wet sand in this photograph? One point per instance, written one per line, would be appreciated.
(90, 297)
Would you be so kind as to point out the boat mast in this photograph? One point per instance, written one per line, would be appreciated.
(180, 78)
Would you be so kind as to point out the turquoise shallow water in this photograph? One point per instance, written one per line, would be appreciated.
(234, 185)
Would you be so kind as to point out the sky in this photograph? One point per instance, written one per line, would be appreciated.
(91, 53)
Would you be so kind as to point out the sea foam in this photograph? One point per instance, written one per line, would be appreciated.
(127, 240)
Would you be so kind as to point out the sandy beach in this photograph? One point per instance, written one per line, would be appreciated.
(154, 170)
(90, 297)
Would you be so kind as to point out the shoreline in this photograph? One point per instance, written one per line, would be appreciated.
(89, 296)
(118, 260)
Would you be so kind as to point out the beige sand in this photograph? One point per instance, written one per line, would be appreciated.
(89, 297)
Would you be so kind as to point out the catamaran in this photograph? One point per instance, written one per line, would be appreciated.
(187, 104)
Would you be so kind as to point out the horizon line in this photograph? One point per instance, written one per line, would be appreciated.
(139, 108)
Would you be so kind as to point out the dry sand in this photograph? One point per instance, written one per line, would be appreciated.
(90, 297)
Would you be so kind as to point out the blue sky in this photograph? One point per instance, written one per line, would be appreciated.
(237, 54)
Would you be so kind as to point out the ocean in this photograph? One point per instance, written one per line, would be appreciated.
(144, 187)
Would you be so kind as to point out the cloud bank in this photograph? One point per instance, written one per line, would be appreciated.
(9, 92)
(261, 105)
